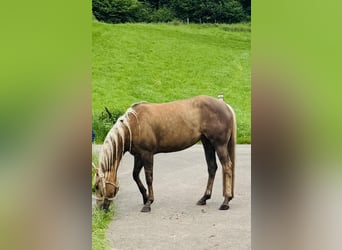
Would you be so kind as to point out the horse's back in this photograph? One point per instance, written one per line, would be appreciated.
(179, 124)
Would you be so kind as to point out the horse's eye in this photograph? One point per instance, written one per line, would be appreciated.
(97, 186)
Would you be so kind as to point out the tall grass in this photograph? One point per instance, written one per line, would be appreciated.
(165, 62)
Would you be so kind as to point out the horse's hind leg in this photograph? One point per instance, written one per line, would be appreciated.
(136, 171)
(148, 166)
(227, 174)
(212, 167)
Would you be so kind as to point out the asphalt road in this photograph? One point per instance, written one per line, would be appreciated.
(176, 222)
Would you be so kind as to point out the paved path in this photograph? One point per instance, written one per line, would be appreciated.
(176, 222)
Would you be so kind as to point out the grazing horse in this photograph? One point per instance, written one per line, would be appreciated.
(147, 129)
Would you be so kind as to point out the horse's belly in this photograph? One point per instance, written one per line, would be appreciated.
(177, 140)
(173, 148)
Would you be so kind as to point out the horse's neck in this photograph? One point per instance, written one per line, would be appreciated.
(122, 147)
(127, 141)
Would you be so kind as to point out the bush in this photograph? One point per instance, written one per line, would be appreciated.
(162, 15)
(142, 13)
(104, 122)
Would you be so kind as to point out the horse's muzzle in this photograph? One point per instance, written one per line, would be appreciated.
(105, 205)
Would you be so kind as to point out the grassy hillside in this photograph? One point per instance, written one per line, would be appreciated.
(165, 62)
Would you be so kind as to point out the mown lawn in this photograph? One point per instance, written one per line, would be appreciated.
(166, 62)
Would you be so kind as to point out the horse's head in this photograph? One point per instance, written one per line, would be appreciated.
(105, 188)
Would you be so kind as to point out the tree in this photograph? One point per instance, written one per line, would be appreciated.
(157, 4)
(115, 11)
(246, 5)
(209, 11)
(230, 11)
(184, 9)
(162, 15)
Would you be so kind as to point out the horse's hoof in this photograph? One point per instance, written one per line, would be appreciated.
(224, 207)
(146, 209)
(201, 202)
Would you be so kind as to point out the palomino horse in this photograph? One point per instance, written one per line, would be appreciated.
(147, 129)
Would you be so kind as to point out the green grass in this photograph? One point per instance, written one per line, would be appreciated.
(165, 62)
(100, 222)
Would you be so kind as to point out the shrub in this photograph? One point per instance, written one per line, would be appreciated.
(103, 122)
(162, 15)
(142, 13)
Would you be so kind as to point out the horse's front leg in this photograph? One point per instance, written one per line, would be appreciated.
(148, 166)
(136, 171)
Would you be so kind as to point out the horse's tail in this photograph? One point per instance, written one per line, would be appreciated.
(231, 148)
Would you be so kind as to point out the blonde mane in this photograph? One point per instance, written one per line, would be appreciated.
(114, 144)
